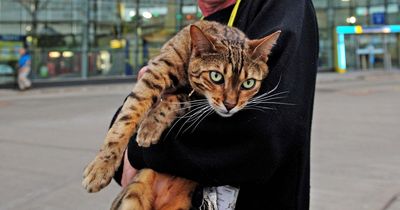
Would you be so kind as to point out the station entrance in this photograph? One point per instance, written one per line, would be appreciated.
(368, 48)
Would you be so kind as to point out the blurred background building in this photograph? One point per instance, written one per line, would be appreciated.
(72, 40)
(358, 34)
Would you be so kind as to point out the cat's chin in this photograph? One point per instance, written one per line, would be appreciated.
(225, 114)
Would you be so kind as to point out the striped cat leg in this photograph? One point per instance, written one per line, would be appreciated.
(160, 118)
(176, 193)
(138, 195)
(152, 190)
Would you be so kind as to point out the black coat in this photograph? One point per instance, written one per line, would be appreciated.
(266, 153)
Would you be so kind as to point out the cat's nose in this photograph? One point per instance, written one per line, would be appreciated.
(229, 105)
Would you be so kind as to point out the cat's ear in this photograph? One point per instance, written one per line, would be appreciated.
(261, 48)
(200, 42)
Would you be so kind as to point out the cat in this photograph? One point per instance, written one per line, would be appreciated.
(217, 62)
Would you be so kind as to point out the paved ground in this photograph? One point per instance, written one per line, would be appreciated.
(48, 135)
(355, 142)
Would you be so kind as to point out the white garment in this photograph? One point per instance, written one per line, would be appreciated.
(23, 81)
(219, 198)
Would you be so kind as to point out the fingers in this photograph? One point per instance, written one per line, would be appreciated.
(128, 171)
(142, 71)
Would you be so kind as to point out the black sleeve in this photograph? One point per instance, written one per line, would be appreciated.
(251, 145)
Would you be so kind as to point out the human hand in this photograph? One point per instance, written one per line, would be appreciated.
(128, 171)
(142, 71)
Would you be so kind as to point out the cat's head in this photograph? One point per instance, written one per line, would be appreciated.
(228, 72)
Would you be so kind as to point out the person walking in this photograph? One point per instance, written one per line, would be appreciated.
(24, 68)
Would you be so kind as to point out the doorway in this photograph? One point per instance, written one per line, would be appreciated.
(372, 51)
(367, 48)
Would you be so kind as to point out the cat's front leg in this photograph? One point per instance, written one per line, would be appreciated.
(160, 76)
(160, 118)
(145, 94)
(100, 171)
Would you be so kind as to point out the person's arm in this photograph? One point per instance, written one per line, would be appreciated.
(251, 145)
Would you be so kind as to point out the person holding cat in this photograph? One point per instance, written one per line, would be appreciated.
(266, 155)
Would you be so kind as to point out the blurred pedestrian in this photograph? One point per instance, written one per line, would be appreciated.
(24, 68)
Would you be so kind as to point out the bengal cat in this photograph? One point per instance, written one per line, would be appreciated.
(217, 62)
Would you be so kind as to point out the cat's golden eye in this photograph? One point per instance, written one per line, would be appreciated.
(216, 77)
(248, 84)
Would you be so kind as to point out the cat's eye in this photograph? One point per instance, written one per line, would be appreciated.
(248, 84)
(216, 77)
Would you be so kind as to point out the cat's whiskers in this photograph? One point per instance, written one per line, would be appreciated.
(194, 117)
(274, 102)
(193, 110)
(276, 86)
(257, 103)
(209, 113)
(260, 104)
(273, 90)
(264, 108)
(275, 96)
(191, 102)
(254, 108)
(192, 105)
(199, 118)
(265, 95)
(199, 109)
(189, 107)
(186, 115)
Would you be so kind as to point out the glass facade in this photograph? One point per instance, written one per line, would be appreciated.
(375, 47)
(75, 39)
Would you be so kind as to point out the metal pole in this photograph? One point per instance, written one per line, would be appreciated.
(387, 55)
(398, 50)
(119, 19)
(85, 39)
(368, 12)
(331, 32)
(137, 19)
(96, 20)
(386, 5)
(180, 10)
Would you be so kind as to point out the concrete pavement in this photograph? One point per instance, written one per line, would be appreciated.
(355, 142)
(48, 135)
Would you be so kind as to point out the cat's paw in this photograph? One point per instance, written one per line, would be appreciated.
(98, 174)
(149, 133)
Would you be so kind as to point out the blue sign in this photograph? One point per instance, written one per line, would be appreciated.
(12, 38)
(378, 18)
